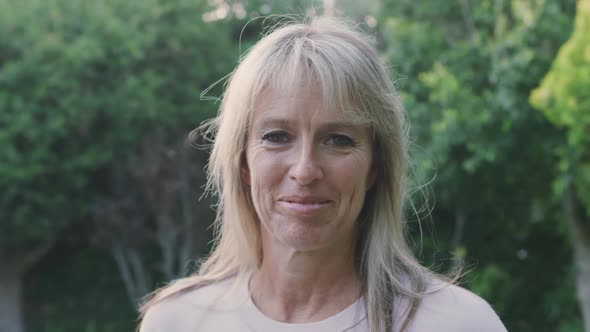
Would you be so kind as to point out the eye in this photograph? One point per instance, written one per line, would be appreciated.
(276, 137)
(340, 140)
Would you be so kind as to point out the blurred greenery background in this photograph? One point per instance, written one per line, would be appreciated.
(99, 188)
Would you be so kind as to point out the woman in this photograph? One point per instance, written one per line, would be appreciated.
(309, 164)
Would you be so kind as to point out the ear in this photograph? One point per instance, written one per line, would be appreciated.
(245, 172)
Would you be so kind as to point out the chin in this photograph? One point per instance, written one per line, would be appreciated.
(303, 236)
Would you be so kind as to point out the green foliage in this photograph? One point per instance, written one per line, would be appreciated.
(84, 85)
(77, 289)
(564, 98)
(466, 69)
(494, 284)
(81, 83)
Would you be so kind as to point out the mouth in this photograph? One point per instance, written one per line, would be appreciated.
(306, 202)
(304, 205)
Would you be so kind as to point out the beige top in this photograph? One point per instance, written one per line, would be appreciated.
(227, 306)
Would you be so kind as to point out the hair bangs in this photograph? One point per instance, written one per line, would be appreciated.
(299, 66)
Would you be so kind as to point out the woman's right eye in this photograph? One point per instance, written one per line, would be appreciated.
(276, 137)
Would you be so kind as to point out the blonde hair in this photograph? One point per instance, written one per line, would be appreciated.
(347, 68)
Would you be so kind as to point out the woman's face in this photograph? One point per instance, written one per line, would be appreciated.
(308, 170)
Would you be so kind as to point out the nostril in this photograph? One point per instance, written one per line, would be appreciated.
(305, 169)
(306, 174)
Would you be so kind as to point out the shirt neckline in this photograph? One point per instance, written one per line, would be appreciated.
(345, 320)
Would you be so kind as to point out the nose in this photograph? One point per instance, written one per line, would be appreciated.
(306, 168)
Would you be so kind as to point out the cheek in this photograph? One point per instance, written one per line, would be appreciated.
(263, 168)
(351, 179)
(354, 172)
(265, 176)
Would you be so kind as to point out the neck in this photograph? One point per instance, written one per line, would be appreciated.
(298, 287)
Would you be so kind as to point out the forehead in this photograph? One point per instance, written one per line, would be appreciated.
(304, 99)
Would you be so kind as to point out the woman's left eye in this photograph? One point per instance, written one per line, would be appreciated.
(340, 140)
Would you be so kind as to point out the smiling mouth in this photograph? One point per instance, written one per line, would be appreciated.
(304, 207)
(305, 202)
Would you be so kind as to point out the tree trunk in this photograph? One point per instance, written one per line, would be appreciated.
(329, 7)
(11, 319)
(13, 266)
(580, 233)
(583, 283)
(133, 272)
(458, 254)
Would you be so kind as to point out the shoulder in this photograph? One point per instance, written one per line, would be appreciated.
(184, 311)
(453, 308)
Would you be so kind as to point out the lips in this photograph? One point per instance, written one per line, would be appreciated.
(305, 199)
(304, 205)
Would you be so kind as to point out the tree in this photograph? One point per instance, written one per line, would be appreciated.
(152, 222)
(81, 83)
(465, 70)
(564, 98)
